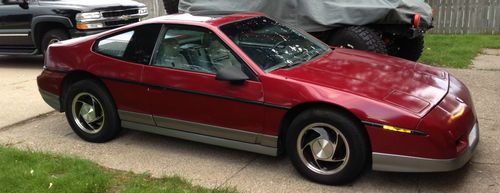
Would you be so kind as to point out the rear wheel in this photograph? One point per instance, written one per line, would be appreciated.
(327, 147)
(90, 112)
(359, 38)
(53, 36)
(410, 49)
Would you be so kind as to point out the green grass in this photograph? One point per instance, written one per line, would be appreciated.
(29, 171)
(456, 51)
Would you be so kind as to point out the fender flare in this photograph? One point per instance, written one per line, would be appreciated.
(48, 18)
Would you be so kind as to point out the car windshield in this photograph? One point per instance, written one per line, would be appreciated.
(272, 45)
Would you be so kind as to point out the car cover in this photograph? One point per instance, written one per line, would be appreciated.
(320, 15)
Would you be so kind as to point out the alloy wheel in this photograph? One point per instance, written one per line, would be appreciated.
(323, 148)
(88, 113)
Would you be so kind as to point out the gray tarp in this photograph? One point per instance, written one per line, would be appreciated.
(319, 15)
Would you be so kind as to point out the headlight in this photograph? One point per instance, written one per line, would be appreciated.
(89, 15)
(143, 10)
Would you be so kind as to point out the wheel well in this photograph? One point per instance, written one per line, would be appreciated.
(292, 113)
(42, 28)
(71, 78)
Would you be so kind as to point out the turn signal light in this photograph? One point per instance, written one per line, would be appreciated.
(84, 26)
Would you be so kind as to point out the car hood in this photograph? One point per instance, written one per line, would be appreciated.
(95, 5)
(405, 84)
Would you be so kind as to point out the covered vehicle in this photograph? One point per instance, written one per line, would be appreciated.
(247, 82)
(395, 27)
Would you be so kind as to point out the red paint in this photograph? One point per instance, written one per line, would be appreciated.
(375, 88)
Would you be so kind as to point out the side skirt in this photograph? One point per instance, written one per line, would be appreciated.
(256, 148)
(225, 137)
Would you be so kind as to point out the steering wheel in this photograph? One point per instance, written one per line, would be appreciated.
(278, 44)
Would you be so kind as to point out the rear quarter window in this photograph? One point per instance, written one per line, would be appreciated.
(135, 45)
(115, 46)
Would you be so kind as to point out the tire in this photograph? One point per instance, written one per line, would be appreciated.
(410, 49)
(171, 6)
(316, 128)
(87, 125)
(53, 36)
(359, 38)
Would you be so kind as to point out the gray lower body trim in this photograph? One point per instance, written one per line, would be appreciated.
(226, 137)
(401, 163)
(221, 132)
(256, 148)
(51, 99)
(136, 117)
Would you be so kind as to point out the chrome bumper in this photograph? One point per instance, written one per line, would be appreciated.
(51, 99)
(400, 163)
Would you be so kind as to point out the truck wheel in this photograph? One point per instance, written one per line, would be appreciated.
(359, 38)
(410, 49)
(327, 147)
(53, 36)
(171, 6)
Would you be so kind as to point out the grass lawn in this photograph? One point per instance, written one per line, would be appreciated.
(456, 51)
(28, 171)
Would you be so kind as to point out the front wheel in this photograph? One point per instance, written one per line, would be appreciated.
(53, 36)
(90, 112)
(327, 147)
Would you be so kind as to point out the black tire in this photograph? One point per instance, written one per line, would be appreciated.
(171, 6)
(410, 49)
(359, 38)
(52, 36)
(352, 134)
(110, 126)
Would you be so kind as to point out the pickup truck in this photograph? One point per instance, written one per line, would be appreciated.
(394, 27)
(29, 26)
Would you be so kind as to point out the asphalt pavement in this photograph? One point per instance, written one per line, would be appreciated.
(215, 166)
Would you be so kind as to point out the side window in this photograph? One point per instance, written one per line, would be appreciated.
(115, 45)
(135, 45)
(194, 49)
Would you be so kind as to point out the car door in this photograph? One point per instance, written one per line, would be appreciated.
(185, 95)
(15, 26)
(119, 61)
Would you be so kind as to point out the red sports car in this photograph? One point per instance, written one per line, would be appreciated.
(244, 81)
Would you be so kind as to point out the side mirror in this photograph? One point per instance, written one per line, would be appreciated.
(232, 74)
(22, 3)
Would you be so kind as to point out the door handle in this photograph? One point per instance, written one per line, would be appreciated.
(156, 90)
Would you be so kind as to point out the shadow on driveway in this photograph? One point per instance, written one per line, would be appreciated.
(30, 62)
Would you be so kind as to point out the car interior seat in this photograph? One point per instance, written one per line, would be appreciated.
(169, 54)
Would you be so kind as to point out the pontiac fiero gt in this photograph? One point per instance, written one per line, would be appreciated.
(244, 81)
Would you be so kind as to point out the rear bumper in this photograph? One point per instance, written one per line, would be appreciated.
(51, 99)
(400, 163)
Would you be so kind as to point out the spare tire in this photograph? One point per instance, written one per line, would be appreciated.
(410, 49)
(359, 38)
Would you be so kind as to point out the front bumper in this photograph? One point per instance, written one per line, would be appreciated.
(400, 163)
(74, 33)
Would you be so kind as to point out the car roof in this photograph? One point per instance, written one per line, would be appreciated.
(215, 18)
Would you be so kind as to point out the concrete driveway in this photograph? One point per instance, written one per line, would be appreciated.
(214, 166)
(20, 97)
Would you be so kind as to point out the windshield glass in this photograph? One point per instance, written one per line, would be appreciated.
(272, 45)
